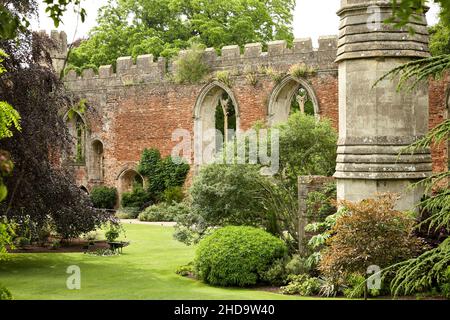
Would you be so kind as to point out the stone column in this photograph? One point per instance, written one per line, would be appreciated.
(60, 51)
(375, 123)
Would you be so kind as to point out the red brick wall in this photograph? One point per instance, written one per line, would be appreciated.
(327, 92)
(438, 114)
(132, 118)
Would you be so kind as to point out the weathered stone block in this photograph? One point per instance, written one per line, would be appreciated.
(124, 64)
(144, 63)
(210, 54)
(303, 45)
(328, 43)
(253, 50)
(88, 73)
(275, 48)
(231, 53)
(105, 71)
(71, 75)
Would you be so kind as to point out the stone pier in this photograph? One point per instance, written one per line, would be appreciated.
(376, 123)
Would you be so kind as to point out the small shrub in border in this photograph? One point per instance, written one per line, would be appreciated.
(5, 294)
(350, 249)
(303, 285)
(185, 270)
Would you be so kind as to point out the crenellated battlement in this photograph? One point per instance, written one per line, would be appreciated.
(60, 49)
(253, 56)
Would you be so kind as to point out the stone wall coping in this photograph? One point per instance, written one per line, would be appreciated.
(232, 56)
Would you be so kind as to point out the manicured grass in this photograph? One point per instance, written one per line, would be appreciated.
(144, 271)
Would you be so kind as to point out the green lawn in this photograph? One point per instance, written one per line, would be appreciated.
(144, 271)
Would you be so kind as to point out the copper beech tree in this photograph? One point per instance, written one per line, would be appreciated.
(40, 191)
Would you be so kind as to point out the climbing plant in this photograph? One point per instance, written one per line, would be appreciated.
(162, 173)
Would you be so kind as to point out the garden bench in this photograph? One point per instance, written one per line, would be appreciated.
(118, 246)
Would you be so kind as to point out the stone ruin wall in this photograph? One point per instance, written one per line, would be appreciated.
(138, 106)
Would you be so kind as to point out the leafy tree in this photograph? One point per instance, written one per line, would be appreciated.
(163, 27)
(307, 147)
(405, 9)
(229, 194)
(440, 39)
(56, 9)
(40, 188)
(15, 15)
(222, 195)
(239, 195)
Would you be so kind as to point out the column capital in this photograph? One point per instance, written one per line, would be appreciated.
(363, 33)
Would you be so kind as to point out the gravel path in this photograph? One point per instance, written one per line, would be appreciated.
(136, 221)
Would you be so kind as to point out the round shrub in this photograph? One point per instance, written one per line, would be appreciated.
(104, 197)
(237, 256)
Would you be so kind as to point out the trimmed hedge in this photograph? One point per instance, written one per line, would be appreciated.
(163, 212)
(128, 213)
(135, 199)
(237, 256)
(103, 197)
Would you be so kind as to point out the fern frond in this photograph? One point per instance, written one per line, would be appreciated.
(423, 272)
(412, 73)
(437, 135)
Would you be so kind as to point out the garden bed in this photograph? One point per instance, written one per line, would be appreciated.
(77, 245)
